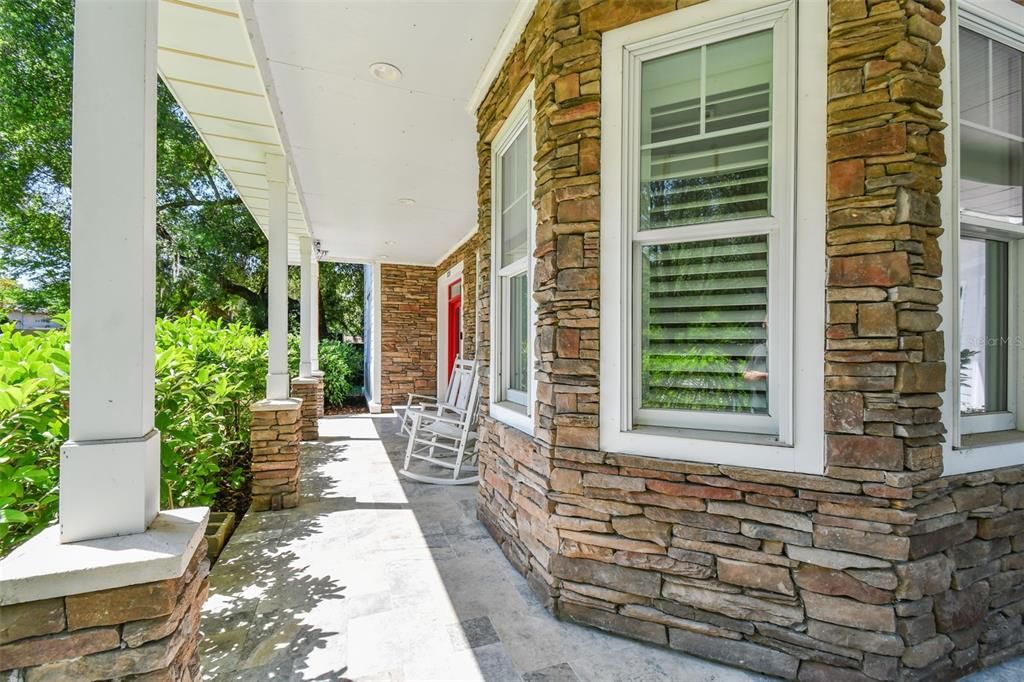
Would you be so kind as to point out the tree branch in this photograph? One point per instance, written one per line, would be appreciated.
(253, 298)
(187, 203)
(208, 161)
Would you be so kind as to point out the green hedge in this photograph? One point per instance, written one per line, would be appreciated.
(33, 426)
(340, 362)
(207, 375)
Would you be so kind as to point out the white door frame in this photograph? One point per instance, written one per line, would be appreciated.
(447, 278)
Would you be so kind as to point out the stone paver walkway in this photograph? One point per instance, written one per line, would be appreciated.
(377, 578)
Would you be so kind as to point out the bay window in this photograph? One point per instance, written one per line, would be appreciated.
(699, 220)
(989, 240)
(512, 283)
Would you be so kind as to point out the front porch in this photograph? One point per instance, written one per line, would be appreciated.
(376, 577)
(821, 512)
(373, 577)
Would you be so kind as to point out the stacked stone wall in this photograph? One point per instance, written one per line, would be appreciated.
(148, 631)
(275, 434)
(878, 570)
(466, 254)
(311, 392)
(408, 316)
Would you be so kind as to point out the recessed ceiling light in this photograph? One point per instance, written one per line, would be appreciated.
(390, 242)
(407, 201)
(382, 71)
(382, 256)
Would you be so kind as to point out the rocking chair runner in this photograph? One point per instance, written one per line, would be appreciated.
(441, 432)
(456, 395)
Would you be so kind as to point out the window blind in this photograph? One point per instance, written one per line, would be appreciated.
(706, 134)
(704, 309)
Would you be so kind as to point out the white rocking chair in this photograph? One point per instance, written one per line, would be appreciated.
(436, 434)
(456, 395)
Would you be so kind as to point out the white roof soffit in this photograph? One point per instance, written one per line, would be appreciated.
(206, 59)
(384, 169)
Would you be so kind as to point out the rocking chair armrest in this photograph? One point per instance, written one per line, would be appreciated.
(426, 410)
(424, 417)
(432, 398)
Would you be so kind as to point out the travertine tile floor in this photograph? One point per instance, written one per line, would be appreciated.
(374, 577)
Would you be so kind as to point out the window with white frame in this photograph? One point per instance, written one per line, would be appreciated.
(990, 240)
(707, 235)
(708, 225)
(512, 283)
(703, 312)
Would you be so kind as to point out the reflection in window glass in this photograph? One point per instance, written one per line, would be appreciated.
(706, 133)
(984, 326)
(991, 109)
(515, 180)
(704, 319)
(519, 321)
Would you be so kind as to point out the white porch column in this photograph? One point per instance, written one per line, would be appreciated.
(314, 329)
(110, 467)
(306, 307)
(277, 276)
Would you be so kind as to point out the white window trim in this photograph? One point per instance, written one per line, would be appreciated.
(518, 416)
(453, 274)
(1005, 25)
(801, 443)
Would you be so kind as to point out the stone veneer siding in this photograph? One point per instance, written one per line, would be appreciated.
(409, 323)
(311, 392)
(148, 631)
(275, 434)
(466, 254)
(408, 332)
(878, 570)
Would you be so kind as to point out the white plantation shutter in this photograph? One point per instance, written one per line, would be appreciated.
(703, 311)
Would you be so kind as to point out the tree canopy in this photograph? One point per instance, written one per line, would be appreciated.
(211, 254)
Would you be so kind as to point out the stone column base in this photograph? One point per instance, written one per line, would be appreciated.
(319, 376)
(275, 432)
(311, 391)
(150, 630)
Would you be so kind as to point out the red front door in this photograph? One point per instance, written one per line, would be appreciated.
(454, 323)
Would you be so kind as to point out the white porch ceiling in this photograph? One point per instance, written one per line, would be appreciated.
(206, 59)
(358, 145)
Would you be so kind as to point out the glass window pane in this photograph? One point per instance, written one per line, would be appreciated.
(706, 133)
(984, 326)
(1006, 89)
(519, 340)
(704, 325)
(515, 199)
(991, 106)
(508, 177)
(513, 242)
(974, 69)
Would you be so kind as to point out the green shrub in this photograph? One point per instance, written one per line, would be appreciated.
(341, 363)
(207, 375)
(33, 426)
